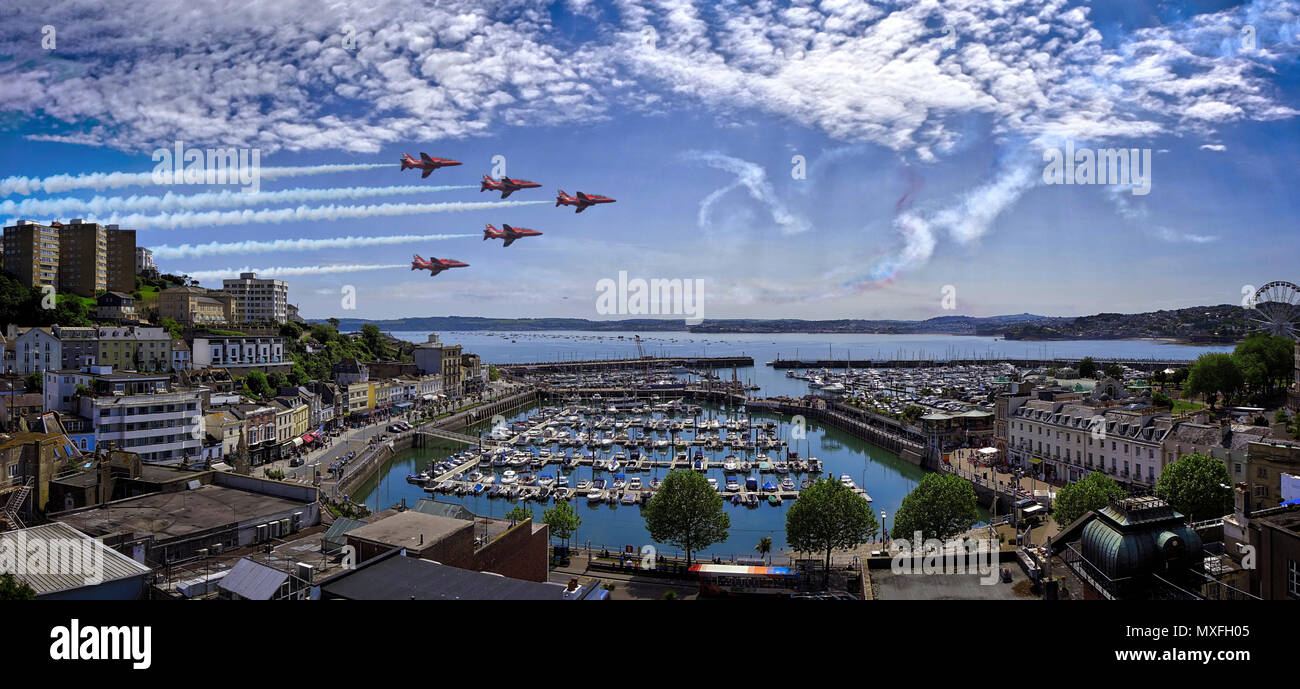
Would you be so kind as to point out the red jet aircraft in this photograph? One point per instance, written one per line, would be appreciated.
(510, 234)
(436, 265)
(582, 201)
(506, 186)
(426, 163)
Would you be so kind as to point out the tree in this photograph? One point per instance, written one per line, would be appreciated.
(1198, 486)
(258, 384)
(687, 513)
(276, 381)
(334, 322)
(562, 520)
(1087, 368)
(519, 513)
(941, 506)
(911, 413)
(1160, 399)
(764, 546)
(829, 515)
(1214, 374)
(35, 382)
(1093, 492)
(1114, 371)
(1264, 360)
(373, 338)
(12, 588)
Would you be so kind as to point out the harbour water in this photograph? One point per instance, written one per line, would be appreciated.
(885, 477)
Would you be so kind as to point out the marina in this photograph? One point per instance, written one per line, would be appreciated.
(623, 451)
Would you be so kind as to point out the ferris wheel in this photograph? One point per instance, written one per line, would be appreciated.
(1275, 309)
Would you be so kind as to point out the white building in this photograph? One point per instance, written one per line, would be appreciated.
(141, 413)
(226, 351)
(258, 300)
(32, 350)
(144, 260)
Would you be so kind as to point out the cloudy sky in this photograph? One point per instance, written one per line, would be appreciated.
(834, 159)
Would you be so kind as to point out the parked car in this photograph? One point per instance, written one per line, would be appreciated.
(296, 462)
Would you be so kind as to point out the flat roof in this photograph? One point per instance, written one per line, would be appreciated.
(406, 578)
(410, 529)
(170, 515)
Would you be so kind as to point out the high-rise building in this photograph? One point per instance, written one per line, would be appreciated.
(77, 258)
(32, 253)
(258, 300)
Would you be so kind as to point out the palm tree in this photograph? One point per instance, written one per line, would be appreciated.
(764, 546)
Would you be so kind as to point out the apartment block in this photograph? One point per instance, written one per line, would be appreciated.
(77, 257)
(31, 251)
(142, 413)
(258, 300)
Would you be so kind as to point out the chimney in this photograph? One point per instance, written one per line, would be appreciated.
(573, 584)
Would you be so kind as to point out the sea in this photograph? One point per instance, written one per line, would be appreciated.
(886, 478)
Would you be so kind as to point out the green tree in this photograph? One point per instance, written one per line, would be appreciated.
(1093, 492)
(1114, 371)
(174, 328)
(941, 506)
(290, 330)
(562, 520)
(1264, 361)
(277, 380)
(11, 588)
(373, 338)
(334, 322)
(829, 515)
(1212, 375)
(1160, 399)
(1197, 486)
(687, 513)
(1087, 368)
(493, 374)
(764, 546)
(519, 513)
(911, 413)
(258, 384)
(35, 382)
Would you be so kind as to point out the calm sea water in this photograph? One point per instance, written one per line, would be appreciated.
(886, 478)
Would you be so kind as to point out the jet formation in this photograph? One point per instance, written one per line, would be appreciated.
(508, 233)
(507, 186)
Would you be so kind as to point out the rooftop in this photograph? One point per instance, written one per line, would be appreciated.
(407, 578)
(76, 548)
(169, 515)
(410, 529)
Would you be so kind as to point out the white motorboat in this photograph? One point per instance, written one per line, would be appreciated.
(508, 477)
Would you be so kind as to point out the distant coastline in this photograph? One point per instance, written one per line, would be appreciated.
(1203, 325)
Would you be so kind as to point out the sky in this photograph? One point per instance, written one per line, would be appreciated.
(833, 159)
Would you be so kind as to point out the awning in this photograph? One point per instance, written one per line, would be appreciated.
(988, 450)
(1035, 460)
(402, 405)
(297, 442)
(1032, 509)
(428, 396)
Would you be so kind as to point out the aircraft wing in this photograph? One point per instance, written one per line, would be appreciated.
(425, 157)
(509, 241)
(427, 170)
(580, 209)
(506, 192)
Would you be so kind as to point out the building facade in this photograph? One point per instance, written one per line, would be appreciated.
(258, 300)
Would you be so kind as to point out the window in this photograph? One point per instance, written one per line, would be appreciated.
(1293, 578)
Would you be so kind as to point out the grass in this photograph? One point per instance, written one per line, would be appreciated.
(1183, 406)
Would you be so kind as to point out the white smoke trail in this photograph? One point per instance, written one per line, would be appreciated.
(114, 180)
(172, 201)
(299, 214)
(289, 271)
(754, 179)
(304, 244)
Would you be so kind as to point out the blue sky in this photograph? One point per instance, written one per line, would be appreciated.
(923, 127)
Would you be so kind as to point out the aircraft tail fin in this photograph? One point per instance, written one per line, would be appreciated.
(559, 196)
(425, 157)
(406, 163)
(488, 231)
